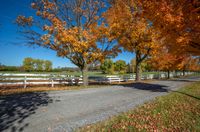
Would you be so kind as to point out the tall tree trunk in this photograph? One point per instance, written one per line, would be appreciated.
(176, 73)
(168, 74)
(85, 75)
(183, 72)
(138, 67)
(138, 72)
(139, 59)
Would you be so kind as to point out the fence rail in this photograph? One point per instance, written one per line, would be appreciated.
(7, 79)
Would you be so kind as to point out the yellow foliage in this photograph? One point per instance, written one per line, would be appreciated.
(78, 42)
(133, 31)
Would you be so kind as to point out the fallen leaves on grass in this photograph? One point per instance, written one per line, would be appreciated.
(174, 112)
(19, 89)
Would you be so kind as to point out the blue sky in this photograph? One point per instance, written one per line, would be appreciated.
(12, 47)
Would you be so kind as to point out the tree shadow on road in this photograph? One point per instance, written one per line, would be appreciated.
(180, 80)
(14, 109)
(147, 87)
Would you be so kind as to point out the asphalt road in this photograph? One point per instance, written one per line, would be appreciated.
(60, 111)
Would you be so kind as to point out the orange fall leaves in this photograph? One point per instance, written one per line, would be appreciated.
(136, 25)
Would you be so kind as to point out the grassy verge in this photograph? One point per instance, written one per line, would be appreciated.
(5, 90)
(17, 89)
(177, 111)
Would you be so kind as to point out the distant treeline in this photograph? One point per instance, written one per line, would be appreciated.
(21, 69)
(30, 64)
(10, 68)
(36, 65)
(108, 67)
(121, 67)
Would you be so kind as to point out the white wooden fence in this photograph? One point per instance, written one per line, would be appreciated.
(114, 78)
(7, 79)
(37, 79)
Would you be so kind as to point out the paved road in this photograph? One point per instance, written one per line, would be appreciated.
(61, 111)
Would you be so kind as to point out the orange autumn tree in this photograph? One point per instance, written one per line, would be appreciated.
(189, 63)
(168, 61)
(132, 31)
(74, 29)
(163, 62)
(194, 64)
(177, 20)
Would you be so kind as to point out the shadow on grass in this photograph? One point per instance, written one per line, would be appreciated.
(186, 94)
(186, 79)
(14, 109)
(181, 80)
(155, 88)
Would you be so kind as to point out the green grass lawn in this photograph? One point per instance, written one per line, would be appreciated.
(54, 73)
(177, 111)
(90, 73)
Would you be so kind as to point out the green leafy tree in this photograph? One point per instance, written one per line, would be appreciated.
(133, 65)
(38, 65)
(145, 66)
(47, 65)
(128, 68)
(28, 64)
(107, 67)
(120, 66)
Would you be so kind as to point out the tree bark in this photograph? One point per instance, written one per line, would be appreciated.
(138, 66)
(138, 72)
(176, 72)
(85, 75)
(139, 59)
(183, 72)
(168, 74)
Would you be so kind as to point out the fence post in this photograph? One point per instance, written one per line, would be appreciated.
(25, 81)
(52, 83)
(72, 80)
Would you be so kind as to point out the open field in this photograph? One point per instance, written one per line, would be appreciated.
(178, 111)
(64, 72)
(76, 73)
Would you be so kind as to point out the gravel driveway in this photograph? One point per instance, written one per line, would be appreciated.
(60, 111)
